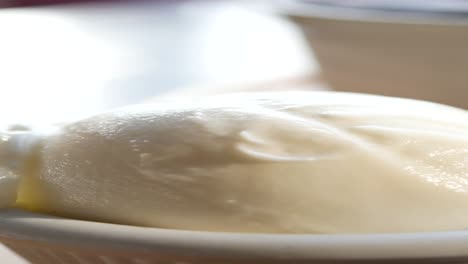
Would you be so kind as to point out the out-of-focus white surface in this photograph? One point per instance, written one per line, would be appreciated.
(9, 257)
(65, 62)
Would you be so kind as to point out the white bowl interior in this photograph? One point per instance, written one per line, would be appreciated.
(22, 225)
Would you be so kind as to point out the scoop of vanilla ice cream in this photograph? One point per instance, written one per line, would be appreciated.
(286, 162)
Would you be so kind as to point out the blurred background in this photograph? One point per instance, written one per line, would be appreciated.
(63, 59)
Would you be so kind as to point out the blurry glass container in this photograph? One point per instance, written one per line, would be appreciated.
(415, 49)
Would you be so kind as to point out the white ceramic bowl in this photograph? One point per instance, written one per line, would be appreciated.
(415, 50)
(46, 239)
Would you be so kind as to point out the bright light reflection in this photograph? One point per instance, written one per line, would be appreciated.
(241, 44)
(50, 70)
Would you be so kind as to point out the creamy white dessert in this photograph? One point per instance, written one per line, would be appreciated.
(286, 162)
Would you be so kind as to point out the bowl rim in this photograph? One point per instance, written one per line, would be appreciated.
(18, 224)
(337, 12)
